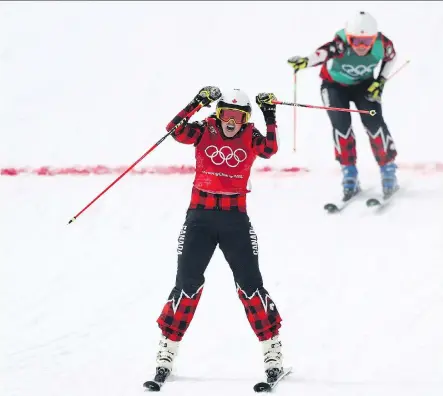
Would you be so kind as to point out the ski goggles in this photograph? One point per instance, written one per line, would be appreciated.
(361, 41)
(239, 116)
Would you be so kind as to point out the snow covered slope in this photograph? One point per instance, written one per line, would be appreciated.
(83, 84)
(361, 295)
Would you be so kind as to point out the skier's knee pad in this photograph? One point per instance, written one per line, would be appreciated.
(262, 313)
(178, 313)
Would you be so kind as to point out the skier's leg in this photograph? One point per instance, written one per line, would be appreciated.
(196, 244)
(382, 143)
(239, 244)
(335, 95)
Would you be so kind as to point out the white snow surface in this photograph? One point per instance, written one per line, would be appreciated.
(361, 295)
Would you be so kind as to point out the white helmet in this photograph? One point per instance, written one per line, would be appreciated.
(362, 24)
(234, 105)
(235, 99)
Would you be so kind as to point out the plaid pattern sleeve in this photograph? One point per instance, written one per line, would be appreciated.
(389, 59)
(186, 133)
(330, 50)
(265, 147)
(388, 46)
(204, 200)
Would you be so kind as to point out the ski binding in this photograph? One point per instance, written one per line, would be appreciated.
(272, 381)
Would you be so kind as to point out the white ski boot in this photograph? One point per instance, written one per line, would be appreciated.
(273, 358)
(165, 359)
(166, 353)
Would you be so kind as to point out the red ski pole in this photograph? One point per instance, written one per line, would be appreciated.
(136, 162)
(370, 112)
(295, 113)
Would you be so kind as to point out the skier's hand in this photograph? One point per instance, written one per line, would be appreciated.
(375, 90)
(207, 95)
(298, 63)
(264, 101)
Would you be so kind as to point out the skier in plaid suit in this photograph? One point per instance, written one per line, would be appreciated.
(226, 146)
(347, 73)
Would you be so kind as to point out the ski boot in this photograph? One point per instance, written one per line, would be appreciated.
(351, 185)
(389, 179)
(273, 359)
(165, 358)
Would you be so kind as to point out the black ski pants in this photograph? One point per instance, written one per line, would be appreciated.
(200, 235)
(382, 144)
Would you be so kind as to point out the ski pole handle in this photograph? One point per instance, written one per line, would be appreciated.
(370, 112)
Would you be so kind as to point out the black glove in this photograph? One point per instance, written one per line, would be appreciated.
(264, 101)
(207, 95)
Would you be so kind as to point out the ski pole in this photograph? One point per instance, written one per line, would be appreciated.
(400, 68)
(136, 162)
(294, 121)
(370, 112)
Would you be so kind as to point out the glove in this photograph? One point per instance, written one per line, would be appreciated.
(298, 63)
(375, 90)
(207, 95)
(264, 101)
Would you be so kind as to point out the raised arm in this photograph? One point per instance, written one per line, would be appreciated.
(191, 133)
(266, 147)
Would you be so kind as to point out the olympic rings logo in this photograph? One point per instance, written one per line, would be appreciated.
(359, 70)
(226, 155)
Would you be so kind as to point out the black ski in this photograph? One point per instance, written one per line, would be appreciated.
(272, 381)
(159, 380)
(153, 386)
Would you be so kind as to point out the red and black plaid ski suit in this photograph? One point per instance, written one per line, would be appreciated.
(217, 219)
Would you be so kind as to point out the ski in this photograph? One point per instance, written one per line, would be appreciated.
(153, 386)
(265, 386)
(159, 380)
(339, 206)
(379, 203)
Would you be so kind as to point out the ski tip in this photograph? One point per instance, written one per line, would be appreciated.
(152, 386)
(262, 387)
(372, 202)
(331, 208)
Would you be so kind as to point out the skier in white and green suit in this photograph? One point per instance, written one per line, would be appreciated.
(347, 73)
